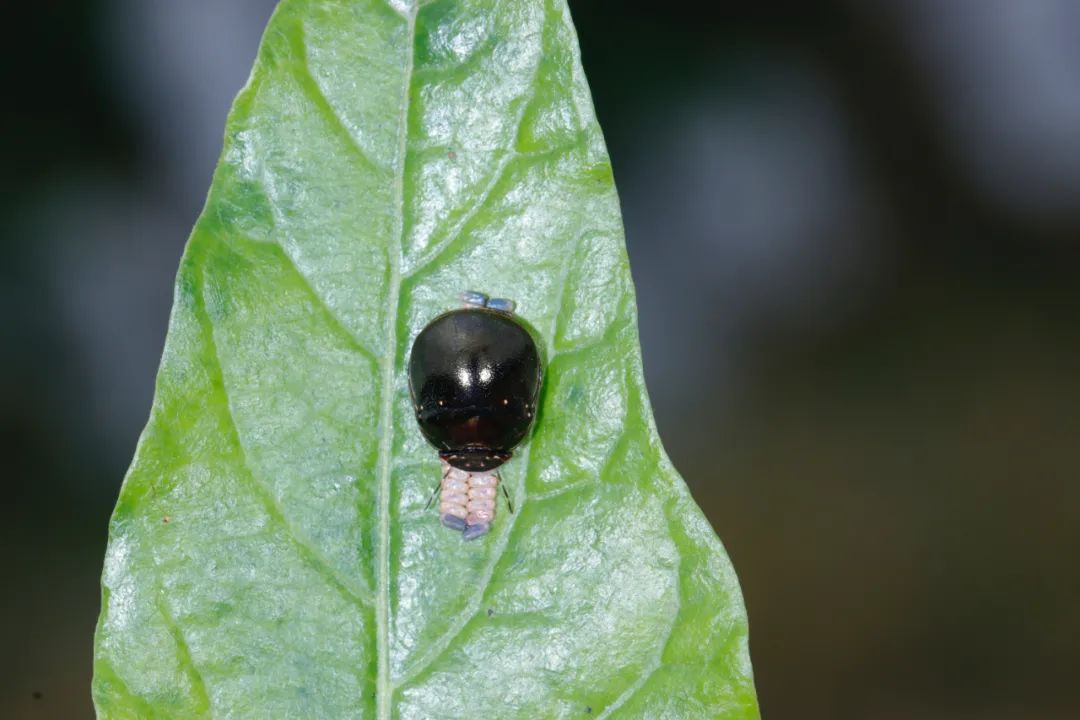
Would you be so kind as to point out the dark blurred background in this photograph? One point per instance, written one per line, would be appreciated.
(855, 230)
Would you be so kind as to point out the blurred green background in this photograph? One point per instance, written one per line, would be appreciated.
(855, 231)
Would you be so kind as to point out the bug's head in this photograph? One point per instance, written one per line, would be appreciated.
(475, 458)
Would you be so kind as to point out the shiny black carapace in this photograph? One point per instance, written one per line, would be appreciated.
(474, 375)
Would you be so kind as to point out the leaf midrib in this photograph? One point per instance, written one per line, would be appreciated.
(383, 687)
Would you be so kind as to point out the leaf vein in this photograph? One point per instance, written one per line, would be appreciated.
(397, 10)
(317, 97)
(183, 651)
(445, 247)
(657, 661)
(308, 553)
(383, 687)
(328, 312)
(563, 490)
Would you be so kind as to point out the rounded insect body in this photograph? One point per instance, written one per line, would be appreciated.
(474, 374)
(474, 377)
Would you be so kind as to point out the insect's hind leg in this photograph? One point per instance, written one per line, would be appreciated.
(431, 498)
(506, 494)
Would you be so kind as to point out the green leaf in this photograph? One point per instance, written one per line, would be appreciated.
(270, 555)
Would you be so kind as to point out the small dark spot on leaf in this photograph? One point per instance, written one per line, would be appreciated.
(588, 709)
(37, 694)
(452, 155)
(166, 519)
(491, 612)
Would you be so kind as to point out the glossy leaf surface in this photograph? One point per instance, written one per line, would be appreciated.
(270, 555)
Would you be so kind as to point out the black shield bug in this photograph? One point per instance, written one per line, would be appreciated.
(474, 377)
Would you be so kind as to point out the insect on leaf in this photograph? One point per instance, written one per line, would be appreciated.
(270, 555)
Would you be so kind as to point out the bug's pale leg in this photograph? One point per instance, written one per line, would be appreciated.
(453, 503)
(483, 488)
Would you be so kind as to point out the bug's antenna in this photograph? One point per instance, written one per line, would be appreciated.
(509, 502)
